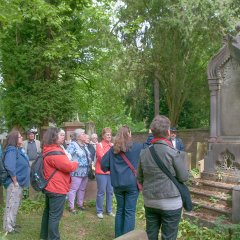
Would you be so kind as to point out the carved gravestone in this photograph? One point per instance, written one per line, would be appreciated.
(224, 84)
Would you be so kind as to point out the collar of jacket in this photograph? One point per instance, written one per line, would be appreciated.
(164, 140)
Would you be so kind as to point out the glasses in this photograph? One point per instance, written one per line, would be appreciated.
(19, 136)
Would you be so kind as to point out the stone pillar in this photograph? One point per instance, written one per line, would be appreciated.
(90, 128)
(214, 87)
(235, 204)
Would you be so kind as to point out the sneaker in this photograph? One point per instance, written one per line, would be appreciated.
(100, 215)
(111, 214)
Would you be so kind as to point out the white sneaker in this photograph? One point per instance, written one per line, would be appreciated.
(111, 214)
(100, 215)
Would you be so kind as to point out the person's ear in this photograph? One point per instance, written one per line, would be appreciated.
(168, 132)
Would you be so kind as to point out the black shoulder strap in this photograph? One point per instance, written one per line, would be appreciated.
(162, 166)
(51, 154)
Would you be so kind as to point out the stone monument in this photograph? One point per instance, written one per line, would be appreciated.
(224, 84)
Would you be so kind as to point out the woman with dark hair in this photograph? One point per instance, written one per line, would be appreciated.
(58, 186)
(17, 165)
(123, 179)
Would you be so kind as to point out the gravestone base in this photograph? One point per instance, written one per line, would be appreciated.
(225, 177)
(222, 162)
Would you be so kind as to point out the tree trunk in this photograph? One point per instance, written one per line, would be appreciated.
(156, 97)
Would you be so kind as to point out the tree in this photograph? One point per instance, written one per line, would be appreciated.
(40, 52)
(176, 40)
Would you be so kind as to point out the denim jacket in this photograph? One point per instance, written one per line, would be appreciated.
(17, 164)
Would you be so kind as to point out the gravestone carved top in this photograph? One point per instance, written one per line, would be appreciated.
(224, 85)
(231, 48)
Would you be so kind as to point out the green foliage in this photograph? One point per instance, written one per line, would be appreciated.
(30, 215)
(40, 51)
(29, 206)
(189, 231)
(173, 42)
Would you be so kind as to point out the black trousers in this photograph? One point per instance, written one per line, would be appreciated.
(54, 206)
(166, 220)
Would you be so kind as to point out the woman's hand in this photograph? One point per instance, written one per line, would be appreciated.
(16, 184)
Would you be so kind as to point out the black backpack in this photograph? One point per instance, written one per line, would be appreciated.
(3, 171)
(37, 179)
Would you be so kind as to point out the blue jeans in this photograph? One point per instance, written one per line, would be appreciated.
(167, 220)
(104, 186)
(126, 208)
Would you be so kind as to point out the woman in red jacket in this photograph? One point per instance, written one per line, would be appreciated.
(58, 186)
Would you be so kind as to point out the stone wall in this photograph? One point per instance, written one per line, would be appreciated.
(190, 139)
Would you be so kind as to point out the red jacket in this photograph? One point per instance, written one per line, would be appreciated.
(101, 149)
(60, 182)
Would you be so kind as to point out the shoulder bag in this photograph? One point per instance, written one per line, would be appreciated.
(124, 157)
(183, 189)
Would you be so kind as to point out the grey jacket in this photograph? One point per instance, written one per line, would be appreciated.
(38, 145)
(156, 185)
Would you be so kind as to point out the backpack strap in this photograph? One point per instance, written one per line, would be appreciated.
(52, 153)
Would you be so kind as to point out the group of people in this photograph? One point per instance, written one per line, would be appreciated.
(119, 166)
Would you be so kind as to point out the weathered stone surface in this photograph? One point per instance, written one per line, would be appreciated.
(224, 85)
(134, 235)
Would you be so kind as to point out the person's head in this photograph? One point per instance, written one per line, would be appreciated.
(53, 135)
(14, 138)
(160, 127)
(31, 134)
(94, 138)
(123, 140)
(79, 135)
(61, 136)
(87, 139)
(173, 132)
(107, 134)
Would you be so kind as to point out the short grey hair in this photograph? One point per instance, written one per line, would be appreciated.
(94, 135)
(61, 131)
(77, 133)
(160, 126)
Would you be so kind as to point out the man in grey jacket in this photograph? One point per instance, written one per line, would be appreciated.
(162, 200)
(32, 146)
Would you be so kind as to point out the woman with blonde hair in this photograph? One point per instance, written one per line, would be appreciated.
(123, 178)
(103, 178)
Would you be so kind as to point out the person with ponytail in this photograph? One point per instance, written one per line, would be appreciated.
(123, 178)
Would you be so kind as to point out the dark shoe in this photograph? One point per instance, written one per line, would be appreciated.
(17, 226)
(81, 208)
(14, 231)
(73, 211)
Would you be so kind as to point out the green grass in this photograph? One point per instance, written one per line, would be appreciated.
(86, 226)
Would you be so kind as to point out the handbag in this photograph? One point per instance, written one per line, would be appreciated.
(139, 185)
(183, 189)
(91, 174)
